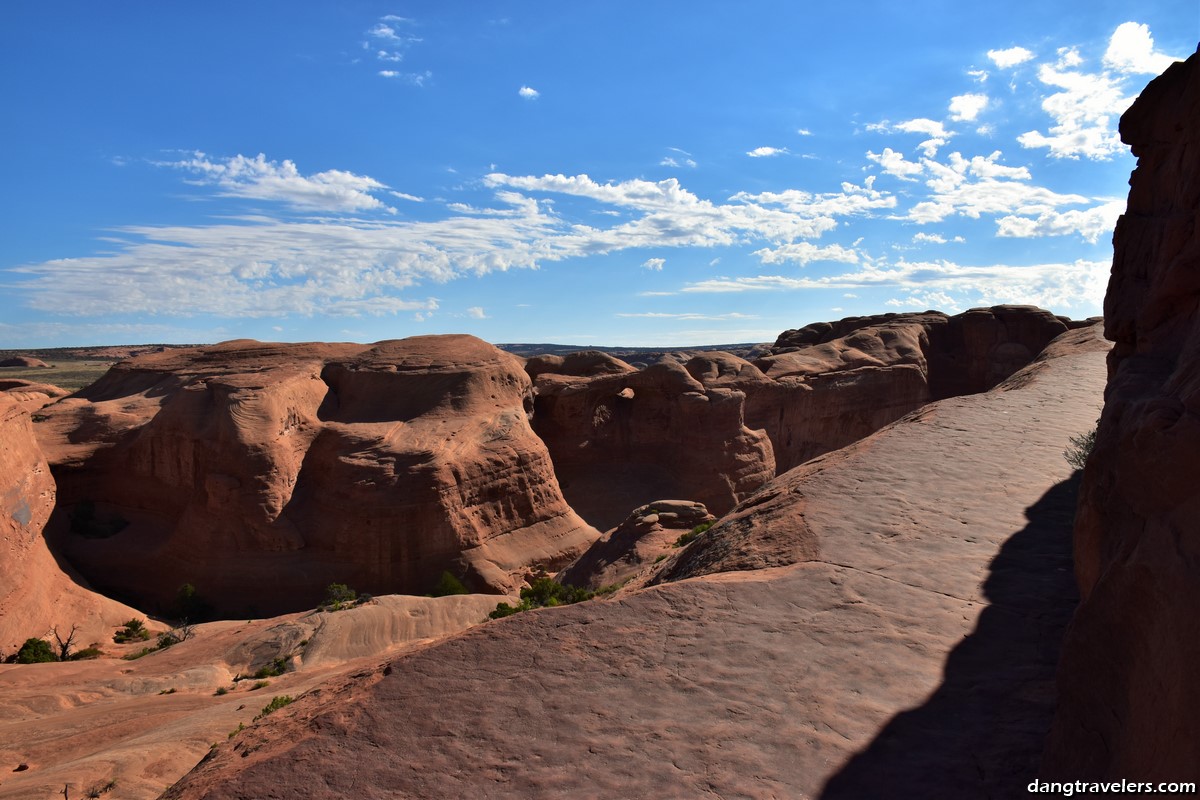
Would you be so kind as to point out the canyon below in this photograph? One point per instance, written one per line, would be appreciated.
(854, 562)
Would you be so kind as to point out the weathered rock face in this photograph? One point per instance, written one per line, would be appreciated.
(648, 535)
(1129, 698)
(909, 658)
(30, 394)
(261, 473)
(619, 439)
(835, 383)
(35, 594)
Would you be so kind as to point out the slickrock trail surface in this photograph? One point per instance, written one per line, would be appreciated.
(143, 723)
(900, 640)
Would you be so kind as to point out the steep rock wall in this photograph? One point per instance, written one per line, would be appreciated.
(1129, 698)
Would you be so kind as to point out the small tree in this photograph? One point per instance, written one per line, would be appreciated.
(447, 585)
(134, 631)
(337, 597)
(36, 651)
(1080, 448)
(64, 645)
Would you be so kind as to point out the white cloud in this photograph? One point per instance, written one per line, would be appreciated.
(383, 31)
(684, 159)
(936, 131)
(529, 93)
(1131, 50)
(655, 264)
(1010, 57)
(803, 132)
(1090, 223)
(967, 107)
(766, 152)
(389, 55)
(411, 78)
(1085, 110)
(1064, 286)
(894, 164)
(476, 312)
(405, 196)
(260, 179)
(806, 252)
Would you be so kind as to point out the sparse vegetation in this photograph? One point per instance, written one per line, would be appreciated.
(1080, 448)
(190, 606)
(276, 703)
(543, 593)
(172, 690)
(448, 585)
(86, 654)
(221, 691)
(134, 631)
(100, 788)
(64, 645)
(260, 685)
(662, 557)
(692, 534)
(339, 597)
(35, 651)
(272, 670)
(241, 727)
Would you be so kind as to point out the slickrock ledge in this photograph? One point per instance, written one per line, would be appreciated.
(907, 650)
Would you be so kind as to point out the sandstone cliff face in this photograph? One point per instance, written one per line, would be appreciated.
(835, 383)
(1129, 698)
(620, 439)
(35, 593)
(261, 473)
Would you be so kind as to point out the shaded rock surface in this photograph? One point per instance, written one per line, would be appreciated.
(1130, 701)
(36, 592)
(620, 438)
(938, 580)
(647, 535)
(260, 473)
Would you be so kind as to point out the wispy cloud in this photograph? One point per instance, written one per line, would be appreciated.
(258, 178)
(766, 152)
(654, 264)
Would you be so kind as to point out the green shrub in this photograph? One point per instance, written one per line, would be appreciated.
(272, 670)
(1080, 448)
(36, 651)
(145, 651)
(260, 685)
(241, 727)
(273, 706)
(338, 596)
(221, 690)
(134, 631)
(86, 654)
(692, 534)
(190, 606)
(448, 585)
(543, 593)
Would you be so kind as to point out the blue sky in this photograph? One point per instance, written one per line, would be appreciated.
(669, 173)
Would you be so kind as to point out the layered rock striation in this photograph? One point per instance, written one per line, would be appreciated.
(260, 473)
(1130, 701)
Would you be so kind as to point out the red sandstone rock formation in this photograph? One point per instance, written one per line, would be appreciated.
(35, 593)
(835, 383)
(1129, 696)
(908, 656)
(30, 394)
(23, 361)
(621, 438)
(260, 473)
(649, 534)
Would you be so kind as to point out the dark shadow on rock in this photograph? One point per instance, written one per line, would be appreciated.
(981, 733)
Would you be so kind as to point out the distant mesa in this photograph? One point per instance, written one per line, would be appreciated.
(28, 362)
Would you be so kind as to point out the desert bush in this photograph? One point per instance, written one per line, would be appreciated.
(221, 691)
(86, 654)
(276, 703)
(543, 593)
(448, 585)
(692, 534)
(190, 606)
(1080, 448)
(272, 670)
(134, 631)
(338, 596)
(36, 651)
(259, 685)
